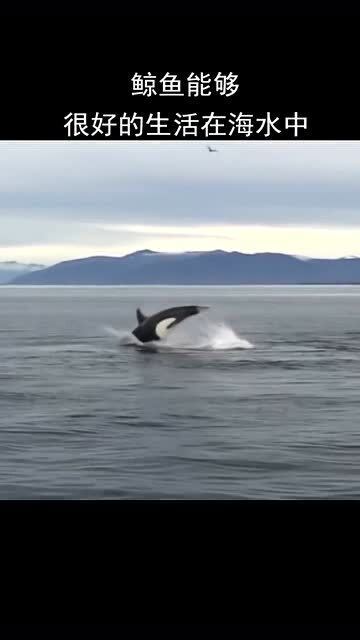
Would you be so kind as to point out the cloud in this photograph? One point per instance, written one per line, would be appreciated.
(78, 196)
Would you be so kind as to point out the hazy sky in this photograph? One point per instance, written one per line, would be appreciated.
(74, 199)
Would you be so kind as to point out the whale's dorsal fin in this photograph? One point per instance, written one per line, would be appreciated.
(140, 316)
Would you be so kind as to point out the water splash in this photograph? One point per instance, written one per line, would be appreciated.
(221, 336)
(206, 335)
(124, 337)
(191, 335)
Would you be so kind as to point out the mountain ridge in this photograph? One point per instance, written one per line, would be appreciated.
(196, 267)
(10, 269)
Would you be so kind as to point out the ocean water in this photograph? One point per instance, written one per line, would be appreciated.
(259, 397)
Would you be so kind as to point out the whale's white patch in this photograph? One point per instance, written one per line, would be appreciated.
(162, 326)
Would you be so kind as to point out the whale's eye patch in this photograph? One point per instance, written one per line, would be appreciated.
(163, 326)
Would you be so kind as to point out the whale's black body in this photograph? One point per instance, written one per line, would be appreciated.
(156, 326)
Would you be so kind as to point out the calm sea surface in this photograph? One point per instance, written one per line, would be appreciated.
(257, 398)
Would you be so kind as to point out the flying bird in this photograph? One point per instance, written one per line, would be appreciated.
(212, 150)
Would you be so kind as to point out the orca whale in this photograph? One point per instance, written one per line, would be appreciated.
(155, 327)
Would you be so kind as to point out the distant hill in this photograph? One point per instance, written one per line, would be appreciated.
(10, 270)
(207, 267)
